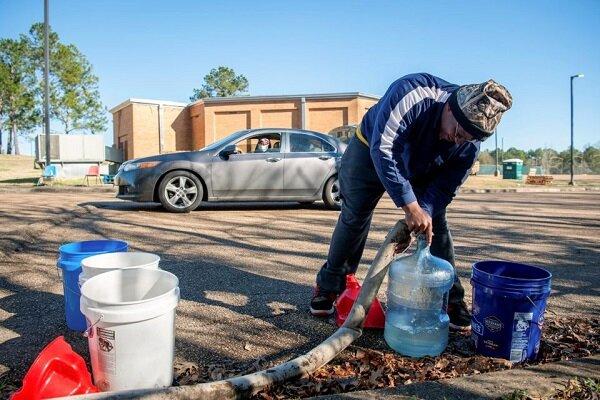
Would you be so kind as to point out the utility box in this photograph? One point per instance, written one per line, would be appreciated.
(75, 154)
(71, 149)
(512, 169)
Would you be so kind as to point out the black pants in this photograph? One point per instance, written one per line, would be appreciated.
(361, 190)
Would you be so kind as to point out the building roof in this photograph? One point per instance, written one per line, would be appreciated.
(313, 96)
(146, 101)
(237, 99)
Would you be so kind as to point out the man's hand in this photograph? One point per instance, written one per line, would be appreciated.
(418, 220)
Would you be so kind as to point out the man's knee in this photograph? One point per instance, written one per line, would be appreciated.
(354, 219)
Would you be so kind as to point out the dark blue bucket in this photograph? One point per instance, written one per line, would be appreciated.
(70, 256)
(509, 300)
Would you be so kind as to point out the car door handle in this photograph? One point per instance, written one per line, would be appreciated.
(324, 157)
(273, 159)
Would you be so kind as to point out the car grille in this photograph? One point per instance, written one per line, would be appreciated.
(123, 190)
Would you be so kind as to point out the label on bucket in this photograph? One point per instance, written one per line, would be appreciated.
(520, 336)
(106, 343)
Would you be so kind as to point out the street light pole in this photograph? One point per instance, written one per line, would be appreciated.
(496, 172)
(46, 80)
(572, 77)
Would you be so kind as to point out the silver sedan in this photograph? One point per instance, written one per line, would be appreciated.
(250, 165)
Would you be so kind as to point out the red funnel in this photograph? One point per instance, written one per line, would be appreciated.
(375, 318)
(57, 371)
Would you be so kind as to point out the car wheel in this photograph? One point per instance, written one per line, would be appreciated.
(180, 192)
(331, 194)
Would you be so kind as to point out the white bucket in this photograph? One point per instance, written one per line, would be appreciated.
(101, 263)
(131, 322)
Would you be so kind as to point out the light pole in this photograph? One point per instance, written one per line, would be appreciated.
(46, 81)
(496, 172)
(572, 77)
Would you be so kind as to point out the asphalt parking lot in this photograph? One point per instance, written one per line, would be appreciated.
(246, 270)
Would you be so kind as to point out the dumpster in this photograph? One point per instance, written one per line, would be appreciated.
(512, 169)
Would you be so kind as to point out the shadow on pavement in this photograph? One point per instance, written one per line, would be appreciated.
(242, 295)
(36, 318)
(216, 206)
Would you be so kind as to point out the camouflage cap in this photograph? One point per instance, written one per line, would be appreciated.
(479, 107)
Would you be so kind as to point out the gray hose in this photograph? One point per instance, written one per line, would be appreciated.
(397, 241)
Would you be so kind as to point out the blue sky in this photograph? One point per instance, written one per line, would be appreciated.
(162, 50)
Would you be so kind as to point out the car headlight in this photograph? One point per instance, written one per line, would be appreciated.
(140, 165)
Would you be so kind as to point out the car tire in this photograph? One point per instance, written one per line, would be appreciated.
(180, 192)
(331, 193)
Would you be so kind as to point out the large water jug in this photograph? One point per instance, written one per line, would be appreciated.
(416, 322)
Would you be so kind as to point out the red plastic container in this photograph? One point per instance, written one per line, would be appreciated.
(57, 371)
(375, 318)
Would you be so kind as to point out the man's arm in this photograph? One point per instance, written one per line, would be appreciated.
(400, 106)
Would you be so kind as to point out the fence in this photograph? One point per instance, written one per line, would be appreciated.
(490, 169)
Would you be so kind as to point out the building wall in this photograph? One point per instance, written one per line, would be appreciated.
(213, 121)
(145, 130)
(136, 129)
(178, 127)
(123, 131)
(196, 113)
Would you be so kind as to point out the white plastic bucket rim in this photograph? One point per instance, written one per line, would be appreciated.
(101, 263)
(100, 295)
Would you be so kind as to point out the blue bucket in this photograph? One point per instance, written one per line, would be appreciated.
(70, 256)
(509, 300)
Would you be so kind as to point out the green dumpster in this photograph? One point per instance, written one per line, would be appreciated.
(512, 169)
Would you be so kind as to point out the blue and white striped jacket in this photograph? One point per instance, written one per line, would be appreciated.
(402, 132)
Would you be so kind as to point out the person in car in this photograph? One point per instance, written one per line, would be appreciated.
(263, 145)
(417, 144)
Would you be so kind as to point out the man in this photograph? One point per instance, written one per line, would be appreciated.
(418, 143)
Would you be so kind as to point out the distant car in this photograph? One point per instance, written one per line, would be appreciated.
(250, 165)
(344, 133)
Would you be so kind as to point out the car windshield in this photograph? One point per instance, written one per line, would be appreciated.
(226, 139)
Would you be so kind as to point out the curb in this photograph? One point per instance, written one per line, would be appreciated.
(531, 190)
(59, 189)
(537, 381)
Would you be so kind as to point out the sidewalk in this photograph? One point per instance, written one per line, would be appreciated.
(538, 382)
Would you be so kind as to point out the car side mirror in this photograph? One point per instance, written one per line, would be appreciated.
(227, 151)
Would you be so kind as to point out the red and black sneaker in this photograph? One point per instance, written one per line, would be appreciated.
(322, 302)
(460, 317)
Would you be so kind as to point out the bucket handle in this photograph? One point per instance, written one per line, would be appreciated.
(535, 305)
(88, 332)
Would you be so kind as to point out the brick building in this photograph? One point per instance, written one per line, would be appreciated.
(146, 127)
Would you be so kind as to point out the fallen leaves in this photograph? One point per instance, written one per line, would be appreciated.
(360, 369)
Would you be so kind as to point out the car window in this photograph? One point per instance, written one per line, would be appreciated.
(343, 133)
(300, 143)
(260, 143)
(224, 140)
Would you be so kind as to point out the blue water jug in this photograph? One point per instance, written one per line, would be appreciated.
(416, 322)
